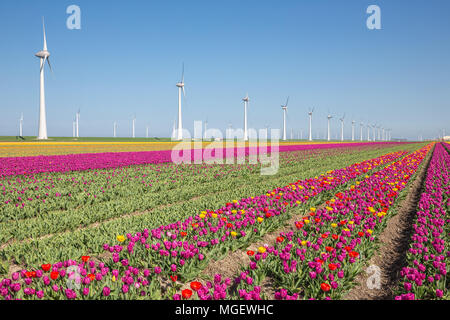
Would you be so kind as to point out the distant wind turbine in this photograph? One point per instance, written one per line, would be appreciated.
(284, 108)
(310, 113)
(43, 55)
(361, 133)
(329, 117)
(115, 129)
(21, 125)
(133, 126)
(353, 130)
(246, 100)
(342, 127)
(180, 86)
(77, 121)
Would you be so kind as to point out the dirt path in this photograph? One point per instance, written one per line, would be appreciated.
(394, 243)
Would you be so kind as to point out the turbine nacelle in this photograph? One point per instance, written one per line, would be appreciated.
(43, 54)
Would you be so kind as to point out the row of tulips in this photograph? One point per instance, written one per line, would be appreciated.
(321, 256)
(177, 251)
(425, 276)
(11, 166)
(62, 234)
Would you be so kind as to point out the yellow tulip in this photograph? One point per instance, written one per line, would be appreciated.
(233, 233)
(120, 238)
(334, 225)
(261, 249)
(259, 219)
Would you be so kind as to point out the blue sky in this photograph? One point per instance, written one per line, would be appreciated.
(127, 58)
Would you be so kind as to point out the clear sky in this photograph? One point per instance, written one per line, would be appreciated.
(127, 59)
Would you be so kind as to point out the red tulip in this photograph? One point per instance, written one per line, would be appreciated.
(91, 276)
(250, 253)
(186, 293)
(280, 239)
(85, 258)
(46, 267)
(195, 285)
(332, 266)
(325, 287)
(54, 275)
(174, 278)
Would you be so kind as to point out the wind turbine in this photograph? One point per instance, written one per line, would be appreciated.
(133, 125)
(373, 131)
(284, 107)
(342, 127)
(146, 132)
(361, 129)
(77, 122)
(180, 86)
(246, 100)
(368, 131)
(329, 117)
(21, 125)
(115, 129)
(353, 130)
(310, 113)
(43, 55)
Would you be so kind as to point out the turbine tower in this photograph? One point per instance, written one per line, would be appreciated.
(77, 122)
(115, 129)
(353, 130)
(21, 125)
(43, 55)
(284, 107)
(361, 129)
(246, 100)
(373, 131)
(342, 127)
(329, 117)
(368, 131)
(310, 113)
(180, 86)
(146, 132)
(133, 126)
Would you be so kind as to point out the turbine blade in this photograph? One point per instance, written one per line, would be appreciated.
(182, 74)
(45, 39)
(49, 65)
(184, 92)
(43, 64)
(287, 101)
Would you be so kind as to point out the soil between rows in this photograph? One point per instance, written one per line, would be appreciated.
(393, 245)
(391, 256)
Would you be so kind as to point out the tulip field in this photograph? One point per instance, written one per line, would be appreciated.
(131, 224)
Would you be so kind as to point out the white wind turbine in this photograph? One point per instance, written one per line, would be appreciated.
(342, 127)
(246, 100)
(77, 123)
(310, 113)
(115, 129)
(373, 131)
(368, 131)
(21, 125)
(133, 126)
(353, 130)
(329, 117)
(146, 132)
(284, 107)
(361, 131)
(180, 86)
(43, 55)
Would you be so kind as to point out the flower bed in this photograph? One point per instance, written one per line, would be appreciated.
(425, 276)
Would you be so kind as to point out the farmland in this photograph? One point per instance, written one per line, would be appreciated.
(133, 225)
